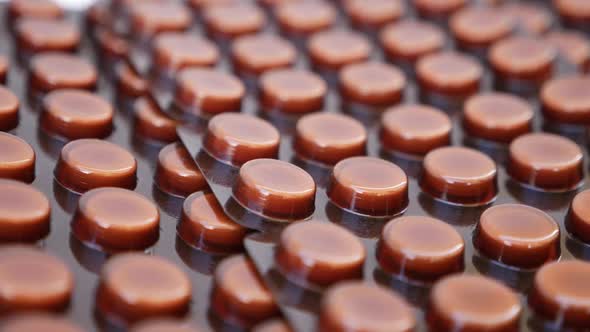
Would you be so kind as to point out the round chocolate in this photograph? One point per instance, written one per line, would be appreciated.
(518, 235)
(292, 91)
(415, 129)
(374, 13)
(275, 189)
(204, 224)
(176, 50)
(151, 122)
(438, 8)
(9, 105)
(497, 117)
(459, 175)
(372, 83)
(86, 164)
(409, 40)
(44, 34)
(566, 99)
(573, 12)
(573, 46)
(52, 70)
(449, 73)
(578, 218)
(74, 114)
(369, 186)
(273, 325)
(305, 17)
(34, 322)
(136, 287)
(31, 280)
(149, 18)
(546, 161)
(473, 303)
(529, 17)
(477, 27)
(561, 293)
(358, 306)
(200, 5)
(115, 219)
(256, 54)
(320, 253)
(129, 82)
(209, 91)
(34, 8)
(233, 19)
(239, 295)
(236, 138)
(335, 48)
(177, 173)
(327, 138)
(164, 325)
(24, 212)
(420, 248)
(17, 160)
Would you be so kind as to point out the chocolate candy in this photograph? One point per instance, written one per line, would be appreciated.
(149, 18)
(414, 129)
(369, 186)
(232, 19)
(356, 306)
(305, 17)
(129, 83)
(256, 54)
(34, 322)
(275, 189)
(574, 13)
(239, 295)
(476, 28)
(24, 212)
(518, 235)
(136, 287)
(238, 138)
(74, 114)
(421, 249)
(114, 219)
(473, 303)
(566, 100)
(561, 294)
(292, 91)
(409, 40)
(333, 49)
(177, 50)
(529, 17)
(204, 224)
(9, 105)
(31, 280)
(374, 14)
(40, 34)
(327, 138)
(459, 175)
(86, 164)
(17, 160)
(34, 8)
(578, 218)
(372, 83)
(573, 46)
(152, 123)
(546, 162)
(53, 70)
(204, 91)
(438, 9)
(164, 325)
(319, 253)
(177, 173)
(498, 117)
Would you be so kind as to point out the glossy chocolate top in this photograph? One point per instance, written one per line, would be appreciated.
(522, 57)
(292, 91)
(17, 160)
(35, 8)
(151, 17)
(209, 91)
(52, 70)
(566, 99)
(255, 54)
(449, 72)
(24, 212)
(372, 83)
(234, 18)
(374, 13)
(332, 49)
(177, 50)
(480, 26)
(306, 16)
(411, 39)
(42, 34)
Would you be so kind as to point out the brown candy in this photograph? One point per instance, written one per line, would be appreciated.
(292, 91)
(129, 82)
(41, 34)
(573, 12)
(115, 219)
(449, 74)
(333, 49)
(578, 218)
(374, 13)
(152, 123)
(24, 212)
(459, 175)
(305, 17)
(176, 50)
(372, 83)
(420, 248)
(566, 99)
(256, 54)
(546, 162)
(9, 106)
(518, 235)
(236, 138)
(473, 303)
(17, 160)
(149, 18)
(136, 287)
(409, 40)
(53, 70)
(476, 28)
(573, 46)
(86, 164)
(415, 129)
(529, 17)
(234, 19)
(31, 280)
(177, 173)
(438, 8)
(34, 8)
(357, 306)
(328, 138)
(319, 253)
(561, 294)
(369, 186)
